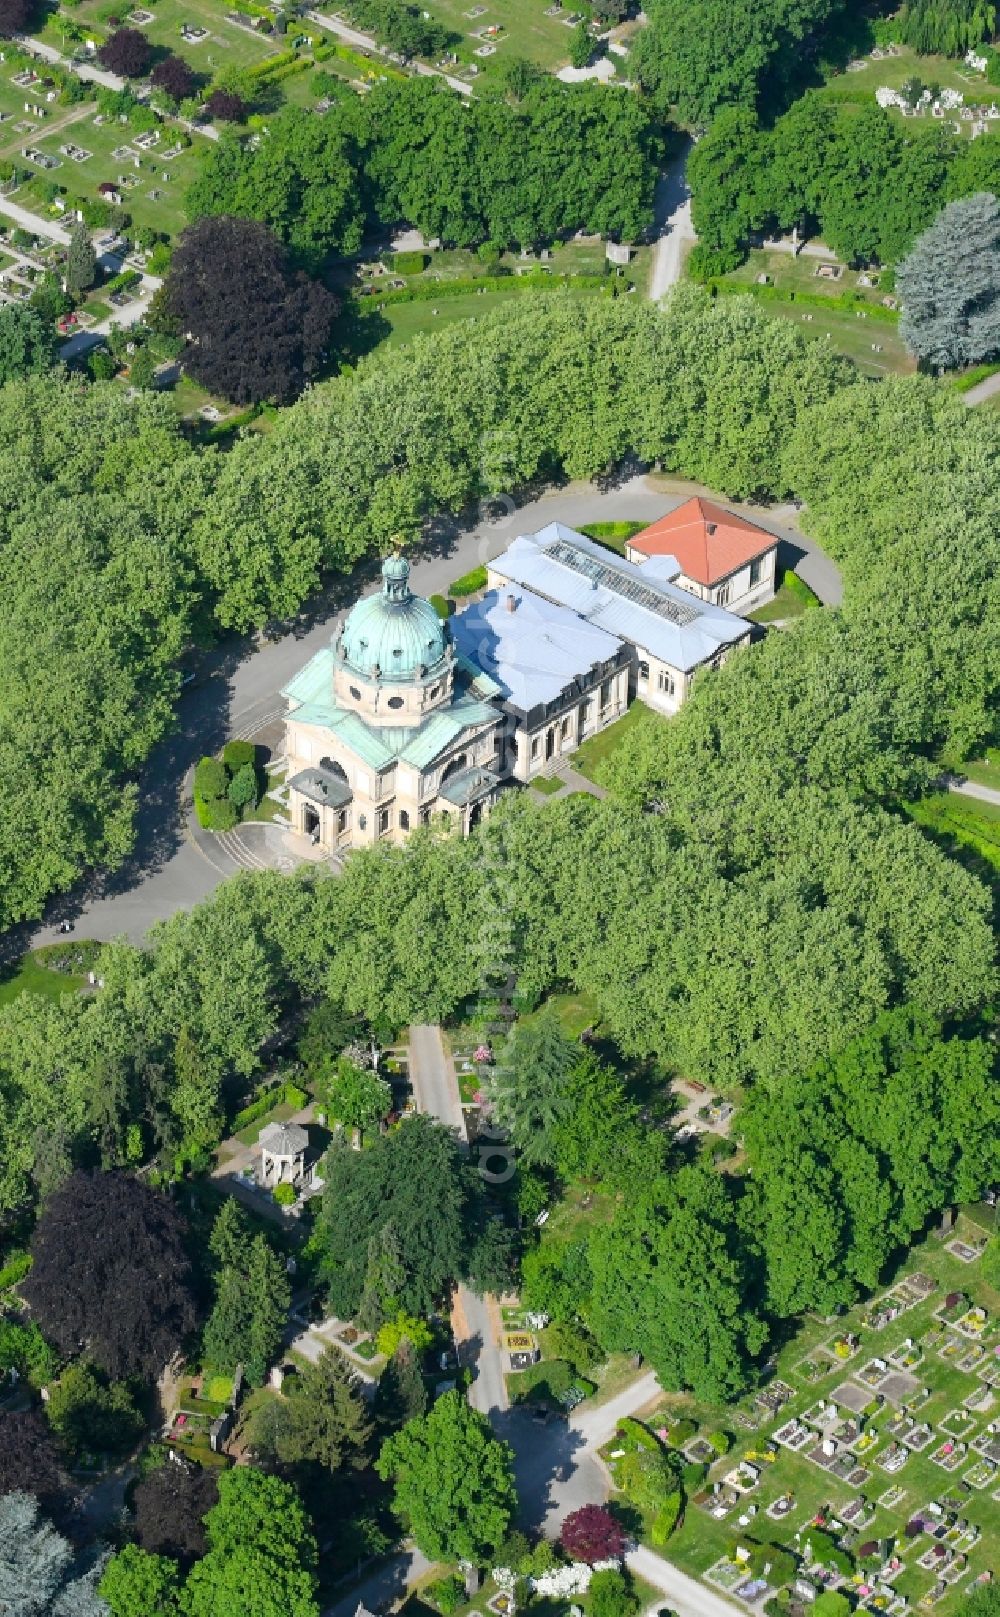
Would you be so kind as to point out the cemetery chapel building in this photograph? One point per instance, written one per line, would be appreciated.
(404, 717)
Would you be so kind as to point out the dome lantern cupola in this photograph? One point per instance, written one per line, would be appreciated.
(394, 655)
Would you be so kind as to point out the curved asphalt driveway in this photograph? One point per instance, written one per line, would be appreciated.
(237, 692)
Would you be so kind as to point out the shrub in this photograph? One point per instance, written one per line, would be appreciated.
(647, 1480)
(242, 791)
(592, 1534)
(470, 582)
(215, 815)
(612, 1595)
(210, 780)
(284, 1194)
(666, 1519)
(630, 1427)
(705, 263)
(259, 1108)
(295, 1097)
(441, 606)
(572, 1342)
(447, 1594)
(23, 1348)
(719, 1441)
(237, 753)
(409, 263)
(548, 1380)
(693, 1475)
(681, 1431)
(15, 1269)
(405, 1327)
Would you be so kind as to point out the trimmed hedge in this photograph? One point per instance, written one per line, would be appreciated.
(235, 754)
(431, 291)
(441, 606)
(469, 583)
(288, 1093)
(800, 589)
(849, 302)
(210, 779)
(215, 813)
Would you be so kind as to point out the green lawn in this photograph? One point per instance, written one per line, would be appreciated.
(702, 1540)
(847, 332)
(406, 320)
(226, 45)
(169, 179)
(613, 534)
(791, 599)
(548, 785)
(945, 71)
(965, 822)
(593, 752)
(984, 771)
(528, 31)
(29, 976)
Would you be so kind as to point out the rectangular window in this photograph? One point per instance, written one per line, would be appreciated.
(756, 570)
(534, 747)
(564, 729)
(665, 682)
(384, 821)
(643, 671)
(605, 693)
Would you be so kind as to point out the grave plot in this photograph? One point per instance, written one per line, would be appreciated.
(857, 1513)
(780, 1508)
(845, 1346)
(980, 1400)
(988, 1444)
(891, 1499)
(794, 1435)
(906, 1356)
(873, 1373)
(899, 1387)
(957, 1423)
(882, 1312)
(852, 1397)
(949, 1454)
(815, 1368)
(919, 1436)
(893, 1458)
(953, 1308)
(981, 1475)
(963, 1251)
(774, 1396)
(973, 1323)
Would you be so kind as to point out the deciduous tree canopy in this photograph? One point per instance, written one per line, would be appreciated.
(256, 329)
(453, 1481)
(111, 1273)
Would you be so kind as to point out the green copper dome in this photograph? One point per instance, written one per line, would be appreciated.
(393, 635)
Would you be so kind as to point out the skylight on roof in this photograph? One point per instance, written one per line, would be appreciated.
(622, 583)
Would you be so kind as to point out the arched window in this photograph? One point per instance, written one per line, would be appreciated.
(404, 820)
(456, 764)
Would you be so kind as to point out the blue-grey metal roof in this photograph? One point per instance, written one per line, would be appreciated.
(311, 700)
(534, 651)
(619, 597)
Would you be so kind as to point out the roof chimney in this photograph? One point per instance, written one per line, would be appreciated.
(510, 601)
(710, 528)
